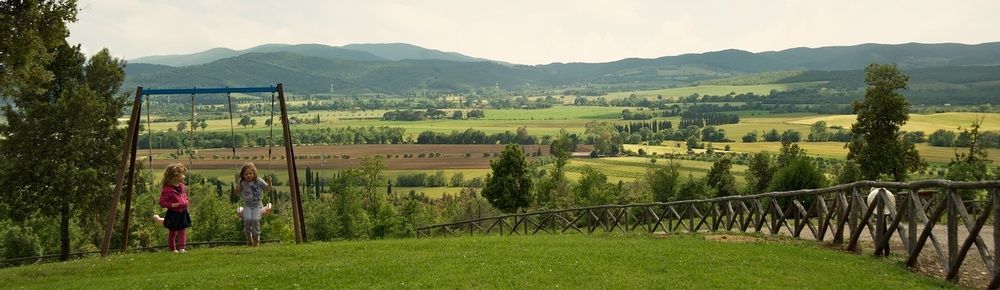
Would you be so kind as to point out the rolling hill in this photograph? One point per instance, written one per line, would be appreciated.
(399, 68)
(401, 51)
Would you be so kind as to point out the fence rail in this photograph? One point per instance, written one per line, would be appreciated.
(823, 214)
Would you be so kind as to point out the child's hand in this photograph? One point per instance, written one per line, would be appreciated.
(175, 205)
(268, 180)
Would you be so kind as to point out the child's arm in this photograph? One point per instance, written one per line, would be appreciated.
(239, 187)
(268, 183)
(165, 200)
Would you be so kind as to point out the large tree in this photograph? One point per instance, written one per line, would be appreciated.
(877, 146)
(720, 179)
(508, 188)
(62, 139)
(759, 172)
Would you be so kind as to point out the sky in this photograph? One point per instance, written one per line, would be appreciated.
(529, 31)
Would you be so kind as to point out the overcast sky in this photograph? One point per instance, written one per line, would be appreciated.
(529, 31)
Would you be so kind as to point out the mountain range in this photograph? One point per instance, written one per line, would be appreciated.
(399, 68)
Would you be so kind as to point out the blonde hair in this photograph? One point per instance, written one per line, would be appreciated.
(247, 166)
(173, 172)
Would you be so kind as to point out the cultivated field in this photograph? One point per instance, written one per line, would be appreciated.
(714, 90)
(927, 123)
(345, 156)
(825, 149)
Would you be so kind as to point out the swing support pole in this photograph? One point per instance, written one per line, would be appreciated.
(293, 177)
(126, 179)
(128, 159)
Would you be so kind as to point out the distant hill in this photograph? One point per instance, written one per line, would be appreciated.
(354, 52)
(188, 59)
(388, 68)
(316, 50)
(910, 55)
(315, 74)
(145, 68)
(401, 51)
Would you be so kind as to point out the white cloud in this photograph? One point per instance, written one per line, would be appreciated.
(529, 32)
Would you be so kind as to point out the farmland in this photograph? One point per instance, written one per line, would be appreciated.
(919, 122)
(396, 157)
(825, 149)
(550, 121)
(473, 160)
(538, 121)
(715, 90)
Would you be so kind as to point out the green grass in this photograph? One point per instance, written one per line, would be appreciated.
(518, 262)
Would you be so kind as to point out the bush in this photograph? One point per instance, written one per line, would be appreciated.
(411, 179)
(21, 242)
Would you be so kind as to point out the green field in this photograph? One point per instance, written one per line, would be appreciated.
(538, 121)
(714, 90)
(630, 169)
(550, 121)
(514, 262)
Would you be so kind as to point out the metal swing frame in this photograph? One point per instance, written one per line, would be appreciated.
(126, 167)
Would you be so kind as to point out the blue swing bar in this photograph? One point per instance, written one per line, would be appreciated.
(196, 91)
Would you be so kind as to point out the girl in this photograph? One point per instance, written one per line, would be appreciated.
(251, 188)
(174, 198)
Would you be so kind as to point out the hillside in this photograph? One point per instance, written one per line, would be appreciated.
(401, 51)
(353, 52)
(520, 262)
(215, 54)
(963, 71)
(315, 74)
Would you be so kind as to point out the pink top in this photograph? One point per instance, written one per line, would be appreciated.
(170, 195)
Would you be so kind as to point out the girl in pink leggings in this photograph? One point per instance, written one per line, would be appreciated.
(174, 198)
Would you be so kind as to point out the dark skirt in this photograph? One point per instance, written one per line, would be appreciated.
(177, 220)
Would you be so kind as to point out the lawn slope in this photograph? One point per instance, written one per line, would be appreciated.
(544, 261)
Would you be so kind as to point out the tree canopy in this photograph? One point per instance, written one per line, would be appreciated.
(878, 147)
(60, 103)
(508, 188)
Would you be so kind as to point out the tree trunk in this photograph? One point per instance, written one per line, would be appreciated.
(64, 232)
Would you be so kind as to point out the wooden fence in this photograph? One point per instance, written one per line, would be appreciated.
(834, 213)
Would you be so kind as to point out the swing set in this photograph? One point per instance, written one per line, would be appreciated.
(126, 179)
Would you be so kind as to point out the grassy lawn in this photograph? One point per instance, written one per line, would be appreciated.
(541, 262)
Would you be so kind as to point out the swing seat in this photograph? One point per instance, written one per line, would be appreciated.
(266, 210)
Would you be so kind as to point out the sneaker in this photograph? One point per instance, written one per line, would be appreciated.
(184, 250)
(175, 251)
